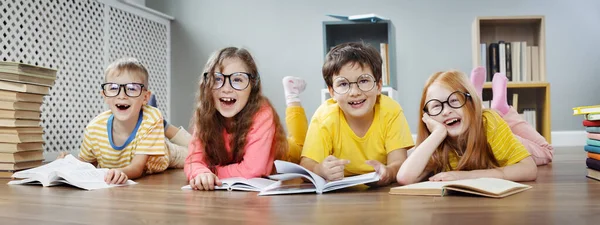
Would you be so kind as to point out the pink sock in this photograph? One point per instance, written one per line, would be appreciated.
(293, 86)
(499, 102)
(477, 79)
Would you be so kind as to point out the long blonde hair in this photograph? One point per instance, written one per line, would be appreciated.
(209, 124)
(476, 151)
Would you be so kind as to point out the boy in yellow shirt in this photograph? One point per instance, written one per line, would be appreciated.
(358, 130)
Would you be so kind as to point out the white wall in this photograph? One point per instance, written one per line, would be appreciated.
(431, 35)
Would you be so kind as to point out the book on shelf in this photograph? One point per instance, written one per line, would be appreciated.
(24, 87)
(18, 157)
(19, 114)
(360, 17)
(385, 64)
(26, 106)
(316, 184)
(28, 69)
(19, 123)
(590, 109)
(68, 170)
(20, 147)
(241, 184)
(13, 96)
(483, 61)
(487, 187)
(518, 61)
(502, 57)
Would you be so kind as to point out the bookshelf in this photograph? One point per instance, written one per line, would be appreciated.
(528, 77)
(371, 33)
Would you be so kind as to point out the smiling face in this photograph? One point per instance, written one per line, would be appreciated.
(126, 108)
(355, 103)
(229, 101)
(452, 118)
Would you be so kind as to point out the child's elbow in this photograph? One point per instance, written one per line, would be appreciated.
(533, 172)
(405, 179)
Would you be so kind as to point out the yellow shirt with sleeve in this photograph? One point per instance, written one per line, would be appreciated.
(148, 138)
(507, 149)
(330, 134)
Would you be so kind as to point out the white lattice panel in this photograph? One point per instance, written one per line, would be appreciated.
(69, 35)
(135, 36)
(64, 35)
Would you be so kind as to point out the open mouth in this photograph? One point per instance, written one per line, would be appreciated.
(357, 102)
(452, 122)
(122, 106)
(227, 101)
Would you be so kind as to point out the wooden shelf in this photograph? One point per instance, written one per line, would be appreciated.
(521, 85)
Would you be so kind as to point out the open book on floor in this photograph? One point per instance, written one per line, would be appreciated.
(240, 184)
(488, 187)
(68, 170)
(289, 171)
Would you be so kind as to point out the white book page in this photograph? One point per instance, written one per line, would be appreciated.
(288, 167)
(351, 181)
(89, 179)
(491, 185)
(239, 183)
(279, 188)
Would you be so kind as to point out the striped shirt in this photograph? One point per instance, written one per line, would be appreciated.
(148, 138)
(507, 149)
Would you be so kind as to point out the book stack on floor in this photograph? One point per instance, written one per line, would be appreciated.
(22, 90)
(591, 123)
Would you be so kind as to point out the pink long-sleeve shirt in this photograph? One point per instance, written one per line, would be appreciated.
(258, 157)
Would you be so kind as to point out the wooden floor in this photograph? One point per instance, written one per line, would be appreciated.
(561, 195)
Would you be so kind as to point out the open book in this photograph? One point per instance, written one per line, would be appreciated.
(240, 184)
(68, 170)
(289, 171)
(488, 187)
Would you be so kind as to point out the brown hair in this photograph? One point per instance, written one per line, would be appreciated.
(127, 64)
(353, 53)
(209, 124)
(476, 151)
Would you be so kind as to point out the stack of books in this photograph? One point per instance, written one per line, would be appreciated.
(591, 123)
(22, 90)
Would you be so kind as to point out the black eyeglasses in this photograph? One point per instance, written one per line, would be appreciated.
(238, 80)
(455, 100)
(114, 89)
(365, 82)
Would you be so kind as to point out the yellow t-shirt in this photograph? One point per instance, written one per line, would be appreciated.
(147, 139)
(330, 134)
(505, 146)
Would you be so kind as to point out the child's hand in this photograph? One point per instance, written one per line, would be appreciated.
(62, 155)
(332, 168)
(115, 176)
(447, 176)
(433, 125)
(205, 182)
(383, 171)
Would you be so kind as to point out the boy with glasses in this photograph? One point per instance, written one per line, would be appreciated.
(358, 130)
(129, 139)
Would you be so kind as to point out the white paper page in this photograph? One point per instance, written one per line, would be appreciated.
(288, 167)
(279, 189)
(351, 181)
(89, 179)
(46, 170)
